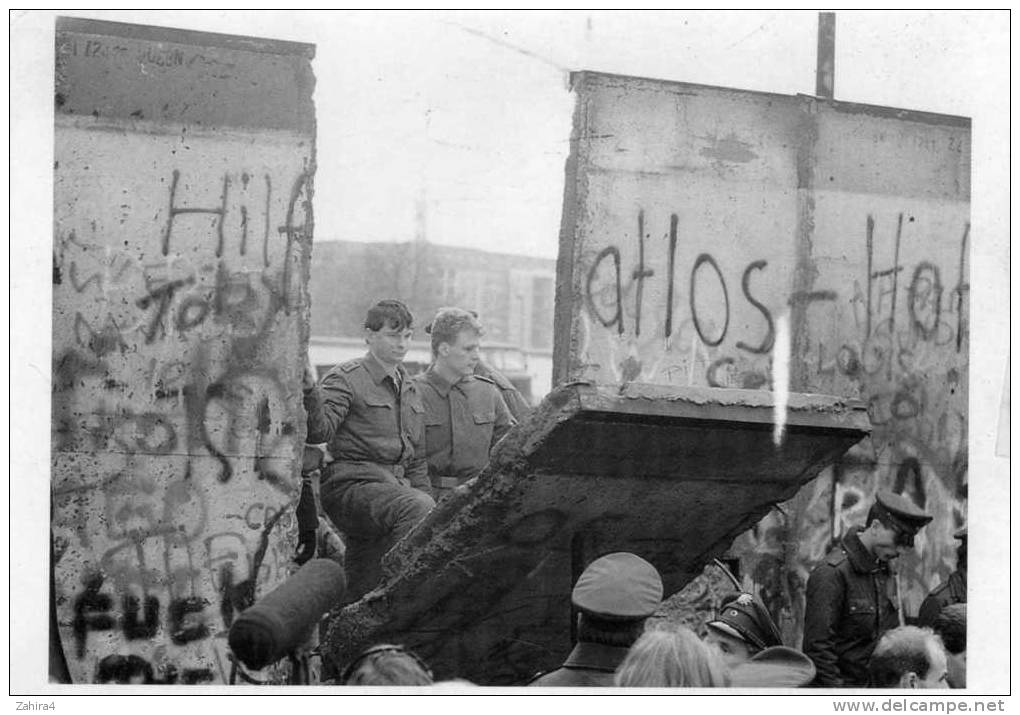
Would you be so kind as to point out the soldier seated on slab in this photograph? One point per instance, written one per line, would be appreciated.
(370, 413)
(742, 628)
(908, 657)
(465, 415)
(615, 596)
(851, 597)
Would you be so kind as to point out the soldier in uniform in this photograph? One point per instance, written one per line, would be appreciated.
(369, 412)
(615, 596)
(464, 414)
(952, 590)
(513, 398)
(742, 628)
(851, 599)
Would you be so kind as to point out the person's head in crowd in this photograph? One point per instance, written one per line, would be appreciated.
(388, 330)
(908, 657)
(456, 339)
(741, 628)
(774, 667)
(961, 550)
(893, 522)
(951, 626)
(670, 656)
(614, 597)
(386, 664)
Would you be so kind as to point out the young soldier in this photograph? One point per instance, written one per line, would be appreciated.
(848, 604)
(464, 414)
(369, 412)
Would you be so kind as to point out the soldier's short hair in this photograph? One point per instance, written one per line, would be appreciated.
(900, 651)
(389, 314)
(951, 626)
(448, 324)
(622, 634)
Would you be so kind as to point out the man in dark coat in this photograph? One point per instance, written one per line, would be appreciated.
(851, 596)
(952, 590)
(371, 415)
(615, 595)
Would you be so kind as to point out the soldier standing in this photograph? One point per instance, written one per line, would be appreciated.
(464, 414)
(952, 590)
(370, 414)
(851, 599)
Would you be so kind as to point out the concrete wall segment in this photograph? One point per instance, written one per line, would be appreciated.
(182, 238)
(710, 212)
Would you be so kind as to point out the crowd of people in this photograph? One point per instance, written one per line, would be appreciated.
(398, 443)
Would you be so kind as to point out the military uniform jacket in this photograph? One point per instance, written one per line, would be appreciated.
(589, 665)
(953, 590)
(373, 422)
(463, 421)
(848, 607)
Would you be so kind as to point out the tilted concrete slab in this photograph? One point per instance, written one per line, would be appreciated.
(481, 588)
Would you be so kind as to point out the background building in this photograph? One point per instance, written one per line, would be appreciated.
(513, 296)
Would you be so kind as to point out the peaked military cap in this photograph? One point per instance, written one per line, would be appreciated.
(901, 513)
(618, 586)
(775, 667)
(744, 616)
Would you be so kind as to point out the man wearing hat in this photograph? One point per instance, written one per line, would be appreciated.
(850, 599)
(615, 595)
(952, 590)
(742, 628)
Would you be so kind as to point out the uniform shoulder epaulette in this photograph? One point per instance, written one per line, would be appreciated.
(350, 365)
(836, 557)
(486, 378)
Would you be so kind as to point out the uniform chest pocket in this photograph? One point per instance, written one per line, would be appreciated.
(483, 417)
(861, 613)
(859, 606)
(377, 402)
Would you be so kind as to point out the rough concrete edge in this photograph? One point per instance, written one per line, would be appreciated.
(573, 193)
(913, 115)
(157, 33)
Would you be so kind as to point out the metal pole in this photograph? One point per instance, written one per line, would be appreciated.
(825, 75)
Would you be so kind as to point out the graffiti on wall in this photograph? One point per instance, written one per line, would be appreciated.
(888, 324)
(175, 421)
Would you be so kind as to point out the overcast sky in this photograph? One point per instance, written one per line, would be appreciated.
(469, 113)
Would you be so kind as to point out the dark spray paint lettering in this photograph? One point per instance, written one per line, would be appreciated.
(164, 294)
(174, 212)
(706, 258)
(673, 221)
(265, 234)
(641, 273)
(135, 628)
(896, 277)
(182, 628)
(713, 369)
(871, 278)
(925, 290)
(770, 336)
(961, 286)
(618, 318)
(91, 612)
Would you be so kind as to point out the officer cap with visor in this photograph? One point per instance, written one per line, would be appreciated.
(901, 514)
(745, 617)
(618, 587)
